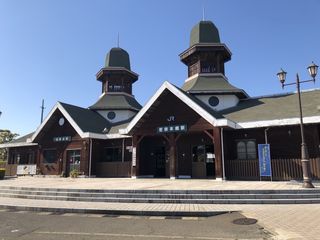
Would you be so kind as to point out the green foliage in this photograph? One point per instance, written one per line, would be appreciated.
(2, 173)
(6, 136)
(74, 173)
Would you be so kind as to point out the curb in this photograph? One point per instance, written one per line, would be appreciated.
(115, 212)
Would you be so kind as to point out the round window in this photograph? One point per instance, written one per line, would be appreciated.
(61, 121)
(111, 115)
(213, 101)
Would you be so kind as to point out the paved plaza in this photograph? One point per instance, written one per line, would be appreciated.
(292, 221)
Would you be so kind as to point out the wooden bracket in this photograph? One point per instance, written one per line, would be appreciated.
(210, 135)
(140, 138)
(177, 137)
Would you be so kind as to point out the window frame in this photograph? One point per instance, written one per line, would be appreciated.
(118, 159)
(248, 155)
(44, 159)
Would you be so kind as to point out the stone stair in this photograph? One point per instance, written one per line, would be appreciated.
(300, 196)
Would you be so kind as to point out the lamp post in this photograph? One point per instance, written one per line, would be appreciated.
(306, 170)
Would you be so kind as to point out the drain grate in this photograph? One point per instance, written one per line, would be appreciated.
(245, 221)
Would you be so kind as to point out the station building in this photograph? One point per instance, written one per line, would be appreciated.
(205, 128)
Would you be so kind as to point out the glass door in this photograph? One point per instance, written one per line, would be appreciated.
(73, 160)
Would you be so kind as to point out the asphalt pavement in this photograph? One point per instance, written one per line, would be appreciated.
(71, 226)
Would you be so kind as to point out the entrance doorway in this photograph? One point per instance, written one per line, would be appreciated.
(73, 161)
(203, 161)
(160, 161)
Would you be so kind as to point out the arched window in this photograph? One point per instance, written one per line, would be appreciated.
(241, 150)
(251, 150)
(246, 149)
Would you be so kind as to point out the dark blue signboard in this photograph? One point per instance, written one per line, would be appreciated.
(264, 160)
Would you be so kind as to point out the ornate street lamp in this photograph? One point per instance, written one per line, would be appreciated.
(306, 170)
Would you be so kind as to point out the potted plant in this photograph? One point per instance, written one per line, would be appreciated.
(74, 173)
(2, 173)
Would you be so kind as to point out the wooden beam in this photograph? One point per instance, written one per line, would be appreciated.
(217, 152)
(172, 156)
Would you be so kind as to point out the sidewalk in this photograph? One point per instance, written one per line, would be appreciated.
(147, 184)
(292, 221)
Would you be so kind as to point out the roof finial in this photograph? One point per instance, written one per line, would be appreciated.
(203, 12)
(118, 43)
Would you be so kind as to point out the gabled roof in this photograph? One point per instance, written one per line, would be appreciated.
(275, 110)
(85, 119)
(116, 101)
(212, 117)
(212, 83)
(23, 141)
(87, 123)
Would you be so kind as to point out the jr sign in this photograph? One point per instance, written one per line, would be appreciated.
(264, 160)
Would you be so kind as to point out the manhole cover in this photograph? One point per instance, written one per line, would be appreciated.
(245, 221)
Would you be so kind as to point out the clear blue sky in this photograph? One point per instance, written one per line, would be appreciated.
(52, 49)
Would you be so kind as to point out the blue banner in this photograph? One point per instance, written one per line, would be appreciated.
(264, 160)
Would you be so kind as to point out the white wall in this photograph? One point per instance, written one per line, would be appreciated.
(121, 115)
(225, 101)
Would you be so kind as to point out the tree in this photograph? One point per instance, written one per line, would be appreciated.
(5, 137)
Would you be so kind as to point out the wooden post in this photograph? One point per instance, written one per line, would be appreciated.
(172, 155)
(217, 152)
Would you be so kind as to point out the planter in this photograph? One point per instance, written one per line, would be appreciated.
(2, 173)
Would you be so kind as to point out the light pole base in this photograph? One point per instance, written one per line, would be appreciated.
(307, 185)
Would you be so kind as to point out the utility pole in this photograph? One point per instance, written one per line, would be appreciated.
(42, 109)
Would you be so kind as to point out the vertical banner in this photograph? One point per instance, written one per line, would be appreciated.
(134, 156)
(264, 160)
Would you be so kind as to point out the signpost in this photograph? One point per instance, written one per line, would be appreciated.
(264, 160)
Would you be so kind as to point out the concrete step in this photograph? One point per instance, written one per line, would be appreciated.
(143, 191)
(164, 200)
(165, 196)
(180, 196)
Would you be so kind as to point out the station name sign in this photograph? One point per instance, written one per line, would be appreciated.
(62, 139)
(172, 128)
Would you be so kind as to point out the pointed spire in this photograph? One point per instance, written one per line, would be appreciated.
(203, 13)
(118, 43)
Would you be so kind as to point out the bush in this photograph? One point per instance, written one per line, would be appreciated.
(2, 173)
(74, 173)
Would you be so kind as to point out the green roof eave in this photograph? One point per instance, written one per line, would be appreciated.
(111, 70)
(206, 47)
(212, 83)
(116, 101)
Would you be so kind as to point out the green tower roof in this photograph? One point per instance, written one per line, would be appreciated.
(117, 57)
(204, 32)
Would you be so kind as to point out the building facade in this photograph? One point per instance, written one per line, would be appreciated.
(207, 128)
